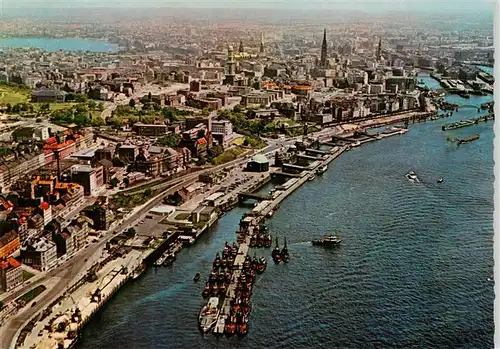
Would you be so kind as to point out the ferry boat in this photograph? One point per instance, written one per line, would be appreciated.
(411, 176)
(322, 169)
(208, 315)
(327, 240)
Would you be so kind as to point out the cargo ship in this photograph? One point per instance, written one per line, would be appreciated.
(456, 125)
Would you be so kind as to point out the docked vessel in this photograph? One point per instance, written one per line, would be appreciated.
(208, 315)
(456, 125)
(159, 262)
(169, 259)
(311, 177)
(138, 271)
(322, 169)
(327, 240)
(468, 139)
(411, 176)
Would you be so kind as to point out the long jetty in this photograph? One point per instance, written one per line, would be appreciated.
(244, 246)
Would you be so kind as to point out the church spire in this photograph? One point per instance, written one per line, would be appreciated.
(261, 50)
(241, 50)
(324, 52)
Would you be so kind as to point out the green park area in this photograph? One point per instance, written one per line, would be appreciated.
(13, 95)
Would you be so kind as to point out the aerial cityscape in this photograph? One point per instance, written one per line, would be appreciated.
(244, 177)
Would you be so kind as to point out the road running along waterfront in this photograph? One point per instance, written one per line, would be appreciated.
(60, 278)
(412, 258)
(21, 319)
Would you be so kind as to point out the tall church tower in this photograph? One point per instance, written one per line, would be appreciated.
(230, 66)
(324, 52)
(379, 49)
(241, 49)
(261, 50)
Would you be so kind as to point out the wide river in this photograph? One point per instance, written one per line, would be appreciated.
(414, 269)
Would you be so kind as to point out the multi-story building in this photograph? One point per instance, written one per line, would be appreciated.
(65, 243)
(79, 230)
(222, 130)
(13, 170)
(104, 153)
(67, 197)
(128, 152)
(40, 254)
(150, 129)
(91, 178)
(11, 274)
(99, 217)
(9, 243)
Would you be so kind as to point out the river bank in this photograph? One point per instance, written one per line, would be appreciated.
(404, 275)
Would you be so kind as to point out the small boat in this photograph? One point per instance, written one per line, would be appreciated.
(312, 176)
(322, 169)
(411, 176)
(206, 290)
(440, 180)
(328, 240)
(138, 271)
(285, 257)
(208, 315)
(197, 277)
(276, 254)
(468, 139)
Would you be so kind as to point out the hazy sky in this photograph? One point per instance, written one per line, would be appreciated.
(366, 5)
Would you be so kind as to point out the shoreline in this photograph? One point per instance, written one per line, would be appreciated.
(377, 122)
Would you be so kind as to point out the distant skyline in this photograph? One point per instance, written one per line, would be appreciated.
(358, 5)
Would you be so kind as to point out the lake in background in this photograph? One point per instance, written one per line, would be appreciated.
(52, 44)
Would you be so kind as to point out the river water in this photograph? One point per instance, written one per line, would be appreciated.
(412, 272)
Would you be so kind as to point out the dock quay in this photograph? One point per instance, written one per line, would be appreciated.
(249, 225)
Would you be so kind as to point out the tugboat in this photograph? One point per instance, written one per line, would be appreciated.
(322, 169)
(440, 180)
(285, 257)
(208, 315)
(276, 253)
(412, 177)
(197, 277)
(328, 240)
